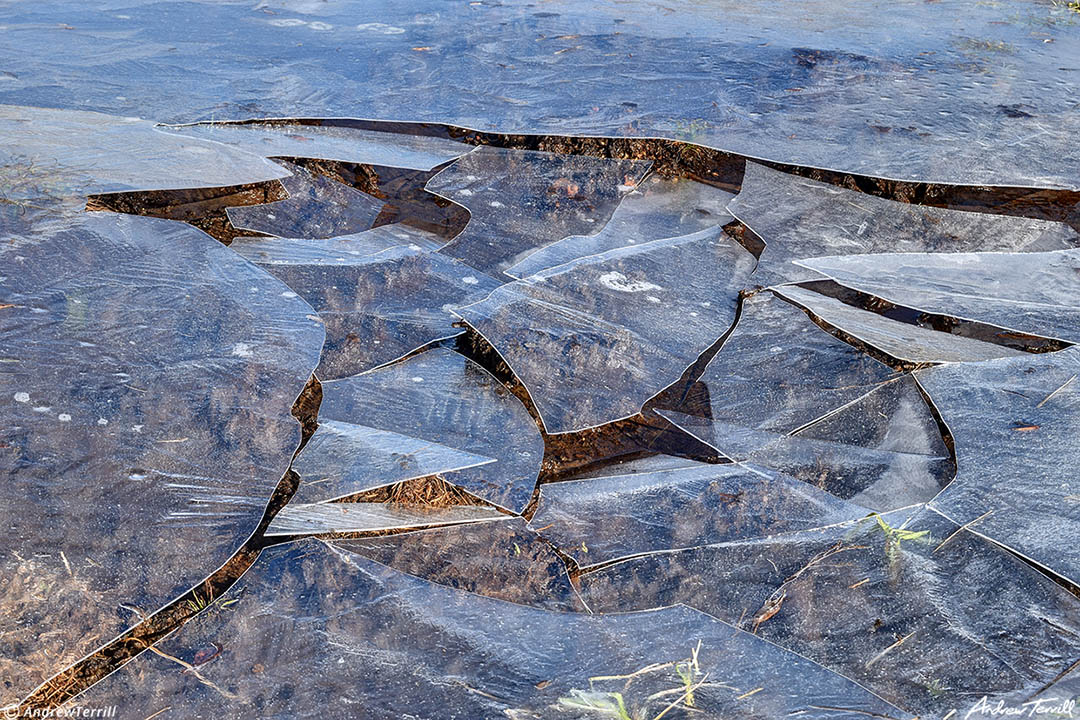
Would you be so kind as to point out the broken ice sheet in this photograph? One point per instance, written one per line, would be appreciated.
(317, 632)
(594, 339)
(799, 218)
(446, 398)
(916, 610)
(379, 307)
(598, 520)
(343, 459)
(900, 340)
(370, 517)
(503, 560)
(778, 371)
(658, 208)
(897, 90)
(55, 153)
(317, 207)
(882, 451)
(521, 200)
(328, 142)
(147, 383)
(1015, 422)
(1033, 293)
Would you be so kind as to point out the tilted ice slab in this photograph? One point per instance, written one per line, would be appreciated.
(1015, 422)
(503, 560)
(658, 208)
(376, 308)
(595, 521)
(594, 339)
(1034, 293)
(521, 200)
(785, 394)
(147, 382)
(882, 451)
(446, 398)
(338, 250)
(778, 371)
(55, 153)
(799, 218)
(317, 207)
(328, 142)
(900, 340)
(370, 517)
(372, 638)
(914, 608)
(343, 459)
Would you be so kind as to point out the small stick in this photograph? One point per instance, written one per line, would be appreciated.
(688, 693)
(896, 644)
(1047, 398)
(965, 526)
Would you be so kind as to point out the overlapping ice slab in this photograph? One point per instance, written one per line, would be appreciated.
(882, 451)
(446, 398)
(56, 153)
(778, 371)
(799, 218)
(503, 560)
(638, 466)
(317, 207)
(925, 614)
(369, 517)
(343, 459)
(339, 250)
(1033, 293)
(787, 395)
(900, 340)
(899, 90)
(319, 632)
(594, 339)
(1015, 422)
(595, 521)
(658, 208)
(147, 379)
(522, 200)
(327, 142)
(377, 308)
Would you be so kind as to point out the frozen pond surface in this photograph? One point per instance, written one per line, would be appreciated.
(540, 366)
(951, 91)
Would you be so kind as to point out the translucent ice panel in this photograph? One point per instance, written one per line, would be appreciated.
(366, 517)
(343, 459)
(521, 200)
(344, 144)
(598, 520)
(377, 308)
(903, 341)
(147, 378)
(1035, 293)
(66, 152)
(799, 218)
(1015, 422)
(444, 397)
(317, 207)
(912, 607)
(594, 339)
(317, 632)
(503, 560)
(658, 208)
